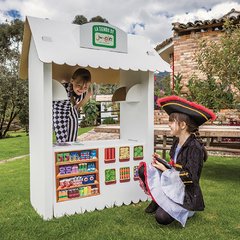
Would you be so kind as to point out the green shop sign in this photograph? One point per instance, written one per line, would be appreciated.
(103, 36)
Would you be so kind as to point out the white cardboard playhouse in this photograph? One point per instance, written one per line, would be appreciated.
(95, 174)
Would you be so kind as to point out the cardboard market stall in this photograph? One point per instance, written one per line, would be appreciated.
(90, 175)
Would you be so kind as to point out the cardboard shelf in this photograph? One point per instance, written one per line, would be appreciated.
(59, 176)
(76, 162)
(70, 199)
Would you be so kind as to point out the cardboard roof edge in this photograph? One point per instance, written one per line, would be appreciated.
(56, 42)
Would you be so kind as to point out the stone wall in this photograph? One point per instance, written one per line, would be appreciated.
(224, 117)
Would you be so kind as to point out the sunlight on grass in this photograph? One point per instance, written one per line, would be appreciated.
(220, 220)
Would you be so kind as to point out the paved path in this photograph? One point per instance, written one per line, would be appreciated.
(92, 135)
(13, 159)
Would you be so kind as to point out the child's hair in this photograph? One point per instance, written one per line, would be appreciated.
(82, 74)
(192, 127)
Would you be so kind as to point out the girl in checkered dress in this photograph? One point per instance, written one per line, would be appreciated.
(65, 112)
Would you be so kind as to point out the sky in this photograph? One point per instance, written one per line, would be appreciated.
(150, 18)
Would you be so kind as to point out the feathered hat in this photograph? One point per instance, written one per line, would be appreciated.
(198, 113)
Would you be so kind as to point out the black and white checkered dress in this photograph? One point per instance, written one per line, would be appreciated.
(65, 116)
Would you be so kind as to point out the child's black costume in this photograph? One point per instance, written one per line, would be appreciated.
(176, 193)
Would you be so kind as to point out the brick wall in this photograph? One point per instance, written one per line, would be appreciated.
(184, 50)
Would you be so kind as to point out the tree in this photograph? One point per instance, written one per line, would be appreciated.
(220, 60)
(98, 19)
(80, 19)
(91, 112)
(210, 93)
(13, 91)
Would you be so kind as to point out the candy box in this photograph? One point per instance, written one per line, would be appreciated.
(66, 157)
(88, 179)
(59, 157)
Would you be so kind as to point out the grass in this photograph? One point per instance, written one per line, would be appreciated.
(220, 220)
(17, 144)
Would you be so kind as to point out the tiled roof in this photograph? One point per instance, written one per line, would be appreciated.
(201, 25)
(163, 44)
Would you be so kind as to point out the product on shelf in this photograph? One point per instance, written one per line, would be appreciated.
(73, 179)
(110, 176)
(124, 154)
(59, 157)
(135, 173)
(74, 156)
(109, 155)
(138, 152)
(124, 174)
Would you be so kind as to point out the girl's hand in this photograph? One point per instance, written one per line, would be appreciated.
(157, 164)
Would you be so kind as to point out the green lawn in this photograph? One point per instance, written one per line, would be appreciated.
(220, 220)
(17, 144)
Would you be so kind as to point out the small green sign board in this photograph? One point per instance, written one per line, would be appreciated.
(103, 36)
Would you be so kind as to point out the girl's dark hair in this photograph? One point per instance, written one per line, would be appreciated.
(83, 74)
(192, 127)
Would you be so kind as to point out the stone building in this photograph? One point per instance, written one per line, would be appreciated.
(180, 49)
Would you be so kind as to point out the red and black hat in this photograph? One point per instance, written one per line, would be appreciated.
(197, 112)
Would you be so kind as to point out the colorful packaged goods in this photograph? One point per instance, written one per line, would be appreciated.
(62, 183)
(91, 167)
(68, 169)
(75, 168)
(85, 154)
(124, 174)
(88, 179)
(138, 153)
(93, 154)
(62, 194)
(73, 193)
(74, 156)
(62, 170)
(82, 167)
(124, 153)
(59, 157)
(66, 157)
(135, 173)
(109, 154)
(110, 176)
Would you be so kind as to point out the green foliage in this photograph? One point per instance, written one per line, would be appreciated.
(81, 19)
(13, 91)
(162, 86)
(220, 60)
(177, 84)
(210, 93)
(91, 112)
(107, 89)
(220, 186)
(98, 19)
(109, 120)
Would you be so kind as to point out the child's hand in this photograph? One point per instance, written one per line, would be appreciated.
(157, 164)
